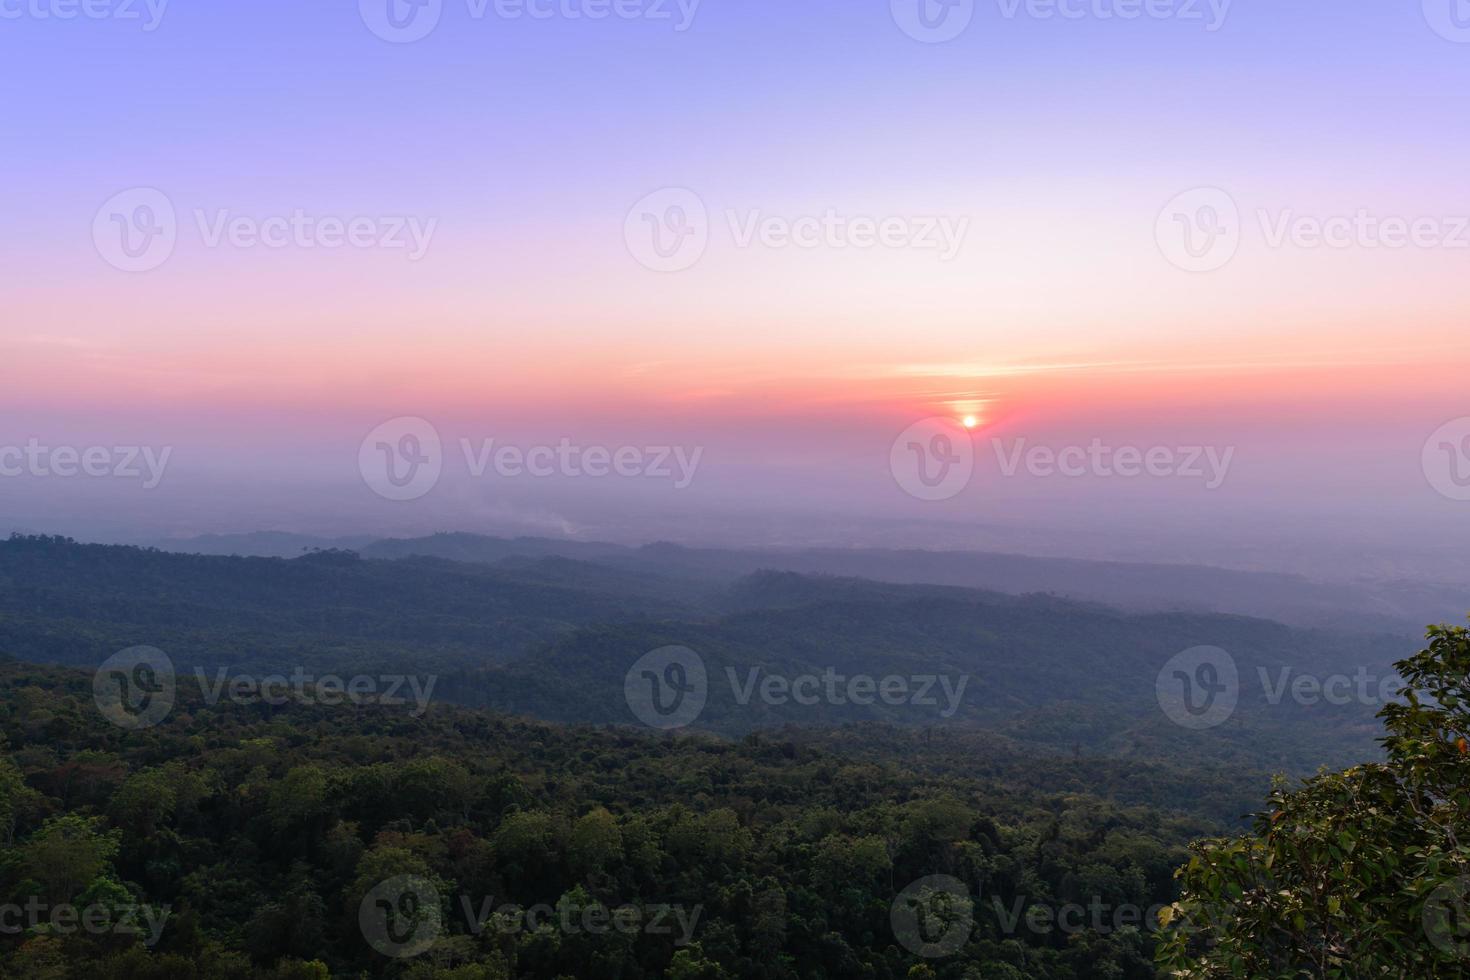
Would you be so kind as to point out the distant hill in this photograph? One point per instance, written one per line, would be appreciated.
(556, 637)
(259, 544)
(1397, 606)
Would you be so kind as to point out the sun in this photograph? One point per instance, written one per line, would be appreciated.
(970, 421)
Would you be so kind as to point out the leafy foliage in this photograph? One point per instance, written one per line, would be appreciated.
(1362, 873)
(262, 829)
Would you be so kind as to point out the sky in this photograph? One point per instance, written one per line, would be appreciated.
(778, 234)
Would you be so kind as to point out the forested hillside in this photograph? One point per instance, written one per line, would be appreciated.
(555, 638)
(1389, 604)
(252, 836)
(506, 807)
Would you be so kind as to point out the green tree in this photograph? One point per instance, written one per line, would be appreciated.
(67, 853)
(1359, 873)
(595, 842)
